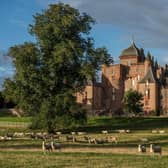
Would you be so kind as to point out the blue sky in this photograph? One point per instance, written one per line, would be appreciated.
(117, 21)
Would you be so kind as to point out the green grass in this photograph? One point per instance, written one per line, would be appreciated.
(140, 128)
(15, 119)
(16, 159)
(143, 123)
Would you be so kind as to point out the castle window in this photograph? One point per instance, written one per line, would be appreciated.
(113, 97)
(146, 103)
(113, 94)
(133, 82)
(147, 93)
(112, 72)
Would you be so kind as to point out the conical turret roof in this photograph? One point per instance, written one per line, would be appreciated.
(132, 50)
(148, 77)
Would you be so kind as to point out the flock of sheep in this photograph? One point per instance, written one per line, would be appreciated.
(51, 146)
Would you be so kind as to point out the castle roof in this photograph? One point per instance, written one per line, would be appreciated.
(132, 50)
(148, 77)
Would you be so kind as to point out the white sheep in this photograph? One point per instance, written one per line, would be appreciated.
(73, 133)
(161, 131)
(121, 131)
(144, 139)
(104, 132)
(18, 134)
(154, 131)
(112, 139)
(81, 133)
(58, 133)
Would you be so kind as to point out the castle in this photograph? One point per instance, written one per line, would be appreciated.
(135, 71)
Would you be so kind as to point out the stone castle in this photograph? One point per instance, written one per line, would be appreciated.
(135, 71)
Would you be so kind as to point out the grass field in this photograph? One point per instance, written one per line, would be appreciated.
(79, 160)
(25, 152)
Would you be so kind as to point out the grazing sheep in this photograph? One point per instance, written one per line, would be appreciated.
(92, 140)
(121, 131)
(154, 131)
(161, 131)
(87, 138)
(18, 134)
(2, 138)
(112, 139)
(127, 131)
(70, 138)
(141, 148)
(56, 137)
(9, 135)
(155, 149)
(56, 146)
(46, 147)
(58, 133)
(104, 132)
(40, 136)
(144, 139)
(101, 141)
(73, 133)
(81, 133)
(33, 136)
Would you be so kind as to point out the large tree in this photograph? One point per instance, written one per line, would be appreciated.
(60, 63)
(132, 102)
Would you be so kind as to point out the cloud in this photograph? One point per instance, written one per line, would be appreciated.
(146, 19)
(6, 67)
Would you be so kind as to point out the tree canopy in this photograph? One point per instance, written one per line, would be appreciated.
(60, 63)
(132, 102)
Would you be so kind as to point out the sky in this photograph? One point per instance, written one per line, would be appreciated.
(116, 22)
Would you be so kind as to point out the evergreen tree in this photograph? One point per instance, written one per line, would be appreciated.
(132, 102)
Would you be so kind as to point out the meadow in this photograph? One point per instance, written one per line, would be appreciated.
(26, 152)
(26, 159)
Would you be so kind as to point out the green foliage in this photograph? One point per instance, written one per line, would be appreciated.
(166, 71)
(49, 72)
(132, 102)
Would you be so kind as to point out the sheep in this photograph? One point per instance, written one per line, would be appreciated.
(141, 148)
(40, 136)
(10, 135)
(155, 149)
(18, 134)
(92, 140)
(56, 146)
(112, 139)
(121, 131)
(101, 141)
(46, 146)
(58, 133)
(161, 131)
(56, 137)
(73, 133)
(81, 133)
(144, 139)
(33, 136)
(2, 138)
(87, 138)
(127, 131)
(71, 138)
(154, 131)
(104, 132)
